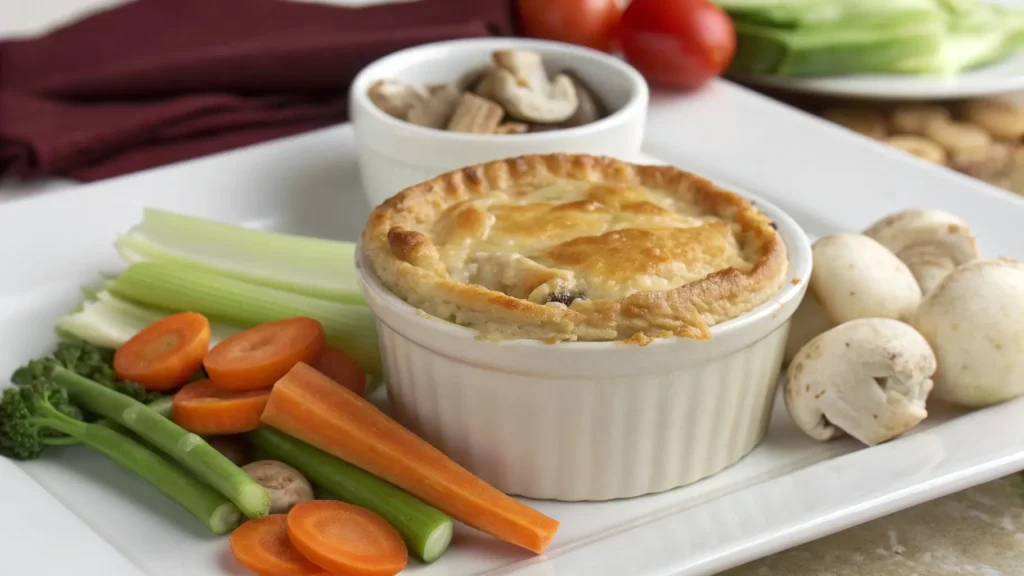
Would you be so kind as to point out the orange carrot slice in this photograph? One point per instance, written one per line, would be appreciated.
(346, 539)
(165, 354)
(309, 406)
(207, 409)
(263, 546)
(259, 356)
(337, 365)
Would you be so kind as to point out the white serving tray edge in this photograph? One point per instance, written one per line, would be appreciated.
(790, 490)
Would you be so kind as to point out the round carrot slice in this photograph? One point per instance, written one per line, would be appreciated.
(207, 409)
(263, 546)
(337, 365)
(346, 539)
(165, 354)
(259, 356)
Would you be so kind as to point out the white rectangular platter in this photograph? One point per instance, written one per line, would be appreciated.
(789, 490)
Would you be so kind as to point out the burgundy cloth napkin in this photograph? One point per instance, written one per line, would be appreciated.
(158, 81)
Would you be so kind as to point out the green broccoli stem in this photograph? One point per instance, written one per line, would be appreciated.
(162, 406)
(188, 449)
(218, 513)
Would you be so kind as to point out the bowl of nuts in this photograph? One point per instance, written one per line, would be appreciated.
(431, 109)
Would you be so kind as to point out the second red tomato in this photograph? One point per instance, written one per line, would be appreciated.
(677, 43)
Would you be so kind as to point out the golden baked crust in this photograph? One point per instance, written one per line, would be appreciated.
(574, 247)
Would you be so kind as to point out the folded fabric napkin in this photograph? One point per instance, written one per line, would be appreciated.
(158, 81)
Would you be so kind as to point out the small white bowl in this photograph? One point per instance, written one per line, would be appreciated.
(394, 154)
(589, 420)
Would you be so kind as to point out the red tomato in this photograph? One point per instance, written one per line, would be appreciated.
(585, 22)
(677, 43)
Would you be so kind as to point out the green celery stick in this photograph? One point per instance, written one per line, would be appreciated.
(832, 51)
(181, 287)
(314, 267)
(109, 321)
(426, 530)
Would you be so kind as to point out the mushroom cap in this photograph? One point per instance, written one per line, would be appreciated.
(855, 277)
(957, 136)
(973, 320)
(867, 121)
(1002, 119)
(869, 378)
(917, 118)
(930, 242)
(286, 485)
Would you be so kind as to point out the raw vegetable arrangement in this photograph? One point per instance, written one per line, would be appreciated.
(677, 44)
(227, 367)
(839, 37)
(685, 43)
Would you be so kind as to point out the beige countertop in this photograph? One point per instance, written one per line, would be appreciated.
(979, 531)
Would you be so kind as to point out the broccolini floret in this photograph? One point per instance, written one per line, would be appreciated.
(85, 360)
(37, 414)
(25, 413)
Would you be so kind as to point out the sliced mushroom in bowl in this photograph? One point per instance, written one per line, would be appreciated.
(516, 96)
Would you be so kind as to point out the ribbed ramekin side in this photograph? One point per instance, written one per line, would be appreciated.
(589, 439)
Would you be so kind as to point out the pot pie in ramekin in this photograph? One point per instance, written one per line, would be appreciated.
(564, 248)
(580, 328)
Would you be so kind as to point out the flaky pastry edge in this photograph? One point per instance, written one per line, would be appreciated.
(409, 265)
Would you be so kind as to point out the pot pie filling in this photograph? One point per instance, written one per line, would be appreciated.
(565, 247)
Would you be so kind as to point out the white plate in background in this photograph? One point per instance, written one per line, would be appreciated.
(998, 78)
(995, 79)
(789, 490)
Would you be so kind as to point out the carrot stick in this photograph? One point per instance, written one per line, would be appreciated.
(309, 406)
(337, 365)
(206, 409)
(263, 546)
(165, 354)
(258, 357)
(346, 539)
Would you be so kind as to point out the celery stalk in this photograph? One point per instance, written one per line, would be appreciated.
(833, 50)
(838, 37)
(180, 287)
(791, 14)
(975, 37)
(108, 321)
(426, 530)
(310, 266)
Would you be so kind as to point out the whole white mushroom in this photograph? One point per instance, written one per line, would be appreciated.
(974, 320)
(931, 243)
(854, 277)
(869, 378)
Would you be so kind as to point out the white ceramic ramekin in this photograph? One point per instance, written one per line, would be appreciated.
(589, 420)
(394, 154)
